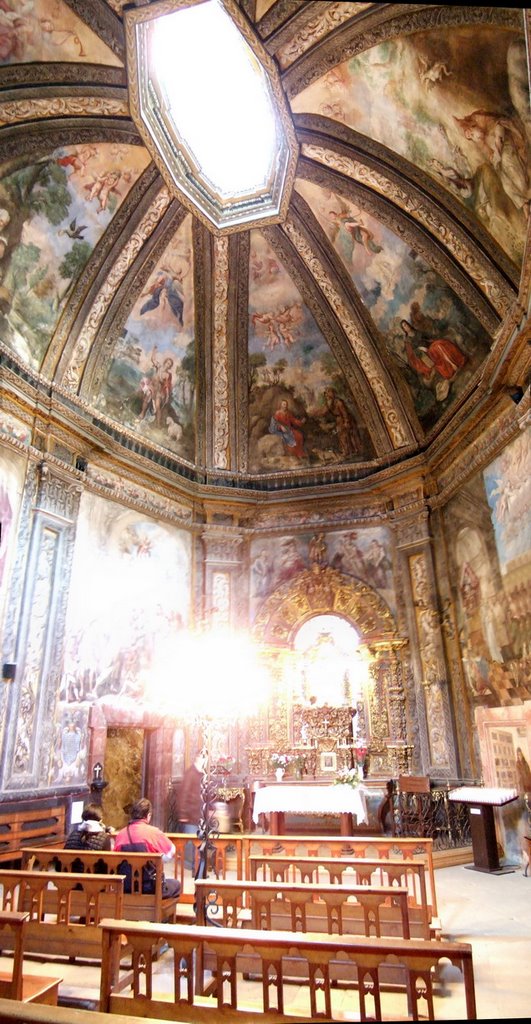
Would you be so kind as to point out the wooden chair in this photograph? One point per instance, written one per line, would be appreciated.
(17, 984)
(413, 805)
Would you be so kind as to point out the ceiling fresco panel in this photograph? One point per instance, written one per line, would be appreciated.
(150, 381)
(428, 98)
(431, 337)
(53, 212)
(47, 30)
(301, 411)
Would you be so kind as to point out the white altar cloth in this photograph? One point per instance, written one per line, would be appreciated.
(311, 800)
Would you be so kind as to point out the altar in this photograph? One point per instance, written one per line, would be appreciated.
(276, 801)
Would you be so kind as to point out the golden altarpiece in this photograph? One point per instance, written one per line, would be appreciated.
(323, 724)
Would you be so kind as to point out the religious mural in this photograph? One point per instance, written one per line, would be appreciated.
(12, 473)
(53, 211)
(454, 101)
(365, 554)
(490, 527)
(432, 338)
(150, 385)
(130, 591)
(301, 410)
(40, 30)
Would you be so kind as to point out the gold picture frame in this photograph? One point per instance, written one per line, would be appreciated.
(328, 761)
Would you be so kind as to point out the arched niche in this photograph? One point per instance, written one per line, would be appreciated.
(380, 710)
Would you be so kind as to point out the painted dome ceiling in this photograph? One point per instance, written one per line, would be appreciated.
(343, 340)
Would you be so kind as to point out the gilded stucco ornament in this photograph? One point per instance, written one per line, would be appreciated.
(322, 590)
(220, 375)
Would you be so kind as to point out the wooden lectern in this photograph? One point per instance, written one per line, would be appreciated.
(481, 800)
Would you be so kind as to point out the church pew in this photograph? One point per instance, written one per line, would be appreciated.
(17, 983)
(319, 964)
(281, 906)
(416, 850)
(63, 910)
(19, 828)
(35, 1013)
(354, 871)
(227, 847)
(137, 905)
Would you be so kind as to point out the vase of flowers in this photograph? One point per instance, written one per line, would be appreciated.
(360, 753)
(279, 763)
(349, 777)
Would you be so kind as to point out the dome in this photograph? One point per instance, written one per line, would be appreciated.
(365, 332)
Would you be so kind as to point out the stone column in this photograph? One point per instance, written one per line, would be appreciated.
(433, 702)
(40, 587)
(223, 576)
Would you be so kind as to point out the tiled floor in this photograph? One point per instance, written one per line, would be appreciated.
(492, 912)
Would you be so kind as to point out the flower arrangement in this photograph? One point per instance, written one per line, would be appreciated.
(280, 761)
(348, 777)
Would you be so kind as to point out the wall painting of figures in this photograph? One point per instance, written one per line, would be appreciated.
(150, 384)
(12, 475)
(53, 211)
(365, 554)
(41, 30)
(454, 101)
(490, 536)
(301, 410)
(434, 341)
(130, 591)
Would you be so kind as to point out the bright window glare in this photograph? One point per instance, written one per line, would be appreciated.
(218, 96)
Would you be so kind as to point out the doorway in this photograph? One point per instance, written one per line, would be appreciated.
(124, 755)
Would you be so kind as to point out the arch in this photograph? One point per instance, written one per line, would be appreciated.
(323, 590)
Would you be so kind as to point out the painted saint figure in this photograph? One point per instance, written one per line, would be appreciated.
(348, 438)
(433, 358)
(287, 426)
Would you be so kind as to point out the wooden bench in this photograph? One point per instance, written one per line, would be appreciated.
(33, 1013)
(326, 960)
(228, 847)
(21, 828)
(281, 906)
(138, 905)
(355, 871)
(416, 850)
(63, 910)
(17, 984)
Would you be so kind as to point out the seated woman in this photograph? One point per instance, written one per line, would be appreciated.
(91, 833)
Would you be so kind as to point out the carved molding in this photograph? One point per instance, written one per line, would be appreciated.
(220, 356)
(322, 590)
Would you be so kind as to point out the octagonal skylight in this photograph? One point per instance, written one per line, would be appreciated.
(207, 100)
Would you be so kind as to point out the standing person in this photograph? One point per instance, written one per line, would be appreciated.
(191, 803)
(91, 833)
(141, 834)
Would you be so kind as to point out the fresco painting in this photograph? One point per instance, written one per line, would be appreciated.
(52, 214)
(494, 581)
(41, 30)
(365, 554)
(12, 473)
(130, 592)
(301, 410)
(456, 103)
(150, 384)
(436, 344)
